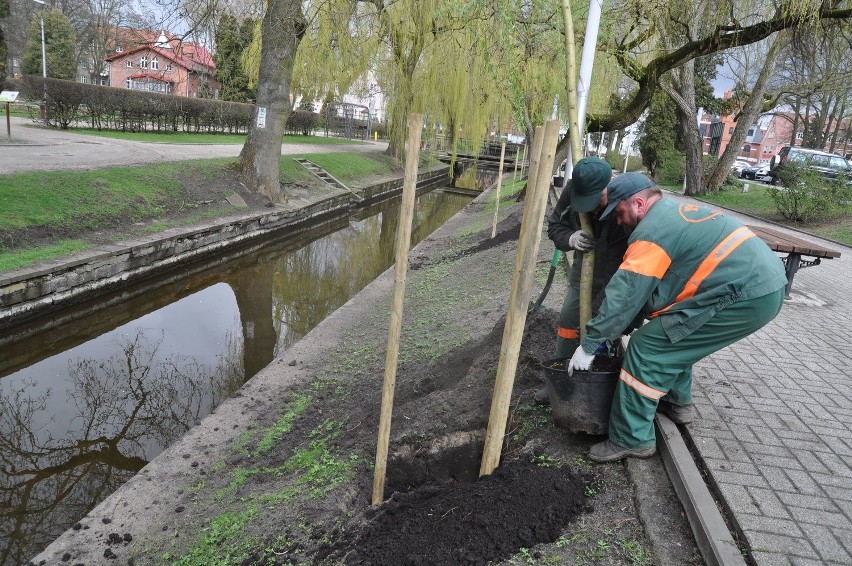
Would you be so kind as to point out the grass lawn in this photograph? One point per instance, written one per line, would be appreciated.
(758, 203)
(65, 205)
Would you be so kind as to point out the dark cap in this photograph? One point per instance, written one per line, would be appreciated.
(624, 186)
(588, 180)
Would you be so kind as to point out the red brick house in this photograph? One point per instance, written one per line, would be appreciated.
(165, 64)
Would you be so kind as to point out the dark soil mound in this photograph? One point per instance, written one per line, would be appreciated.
(520, 505)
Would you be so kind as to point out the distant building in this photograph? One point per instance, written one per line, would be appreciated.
(765, 137)
(143, 60)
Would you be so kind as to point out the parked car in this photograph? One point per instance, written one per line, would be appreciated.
(758, 172)
(738, 166)
(825, 164)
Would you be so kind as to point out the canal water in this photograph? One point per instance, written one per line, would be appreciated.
(85, 406)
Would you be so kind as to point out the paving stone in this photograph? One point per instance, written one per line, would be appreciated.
(788, 545)
(826, 544)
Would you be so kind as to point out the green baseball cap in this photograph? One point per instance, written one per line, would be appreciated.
(588, 180)
(622, 187)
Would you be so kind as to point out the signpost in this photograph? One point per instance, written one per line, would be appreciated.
(8, 96)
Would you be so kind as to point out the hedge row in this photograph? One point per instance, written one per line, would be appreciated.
(110, 108)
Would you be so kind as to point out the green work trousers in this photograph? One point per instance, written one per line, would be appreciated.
(569, 323)
(655, 368)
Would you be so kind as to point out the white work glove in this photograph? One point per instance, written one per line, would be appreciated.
(580, 360)
(581, 241)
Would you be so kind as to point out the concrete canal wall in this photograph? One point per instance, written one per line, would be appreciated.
(29, 293)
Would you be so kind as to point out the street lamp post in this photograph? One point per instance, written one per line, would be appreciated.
(43, 52)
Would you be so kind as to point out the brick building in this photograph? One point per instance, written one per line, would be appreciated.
(765, 137)
(165, 65)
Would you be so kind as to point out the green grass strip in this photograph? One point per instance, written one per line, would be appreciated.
(284, 425)
(17, 260)
(221, 544)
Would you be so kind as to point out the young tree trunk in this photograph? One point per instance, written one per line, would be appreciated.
(587, 269)
(260, 159)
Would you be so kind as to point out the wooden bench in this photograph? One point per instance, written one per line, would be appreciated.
(795, 248)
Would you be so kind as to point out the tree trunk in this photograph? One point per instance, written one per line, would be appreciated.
(747, 115)
(260, 159)
(795, 129)
(682, 91)
(838, 118)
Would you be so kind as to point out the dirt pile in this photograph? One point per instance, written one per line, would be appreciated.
(520, 505)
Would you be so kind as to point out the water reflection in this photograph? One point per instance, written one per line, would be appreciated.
(84, 407)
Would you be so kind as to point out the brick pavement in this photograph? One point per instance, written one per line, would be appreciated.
(774, 425)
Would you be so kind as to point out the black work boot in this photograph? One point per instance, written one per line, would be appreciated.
(609, 451)
(679, 414)
(542, 396)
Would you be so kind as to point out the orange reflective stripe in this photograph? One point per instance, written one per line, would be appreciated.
(569, 333)
(646, 258)
(640, 387)
(709, 265)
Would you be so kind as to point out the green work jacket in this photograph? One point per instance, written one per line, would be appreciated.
(610, 243)
(684, 263)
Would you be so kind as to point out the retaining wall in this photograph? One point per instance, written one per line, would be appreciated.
(30, 293)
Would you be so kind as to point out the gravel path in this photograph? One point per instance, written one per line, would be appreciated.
(36, 148)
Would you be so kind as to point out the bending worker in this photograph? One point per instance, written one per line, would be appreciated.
(583, 193)
(702, 279)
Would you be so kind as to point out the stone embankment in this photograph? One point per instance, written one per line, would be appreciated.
(32, 292)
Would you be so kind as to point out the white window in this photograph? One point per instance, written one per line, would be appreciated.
(154, 63)
(119, 48)
(84, 79)
(129, 63)
(168, 66)
(143, 62)
(128, 83)
(800, 135)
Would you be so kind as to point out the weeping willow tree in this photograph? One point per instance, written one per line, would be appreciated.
(457, 89)
(337, 50)
(527, 59)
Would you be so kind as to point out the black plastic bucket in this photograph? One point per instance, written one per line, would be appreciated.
(580, 402)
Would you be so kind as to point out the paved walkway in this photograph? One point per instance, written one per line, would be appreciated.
(36, 148)
(775, 422)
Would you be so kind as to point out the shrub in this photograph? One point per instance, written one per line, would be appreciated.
(805, 195)
(669, 167)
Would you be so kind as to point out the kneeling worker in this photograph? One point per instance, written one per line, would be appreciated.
(583, 193)
(702, 279)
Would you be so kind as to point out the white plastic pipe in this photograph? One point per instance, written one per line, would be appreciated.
(587, 62)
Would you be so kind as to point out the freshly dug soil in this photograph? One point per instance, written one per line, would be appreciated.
(518, 506)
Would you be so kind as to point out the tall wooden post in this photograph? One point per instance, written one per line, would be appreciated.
(403, 240)
(499, 184)
(516, 316)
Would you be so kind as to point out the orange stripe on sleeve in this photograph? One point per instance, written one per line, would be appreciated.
(640, 387)
(646, 258)
(568, 333)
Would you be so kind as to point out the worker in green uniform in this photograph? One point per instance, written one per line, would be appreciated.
(703, 281)
(583, 193)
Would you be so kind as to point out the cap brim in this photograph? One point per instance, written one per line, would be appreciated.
(586, 203)
(609, 208)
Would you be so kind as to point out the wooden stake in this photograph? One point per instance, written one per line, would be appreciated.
(525, 260)
(499, 184)
(403, 240)
(515, 172)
